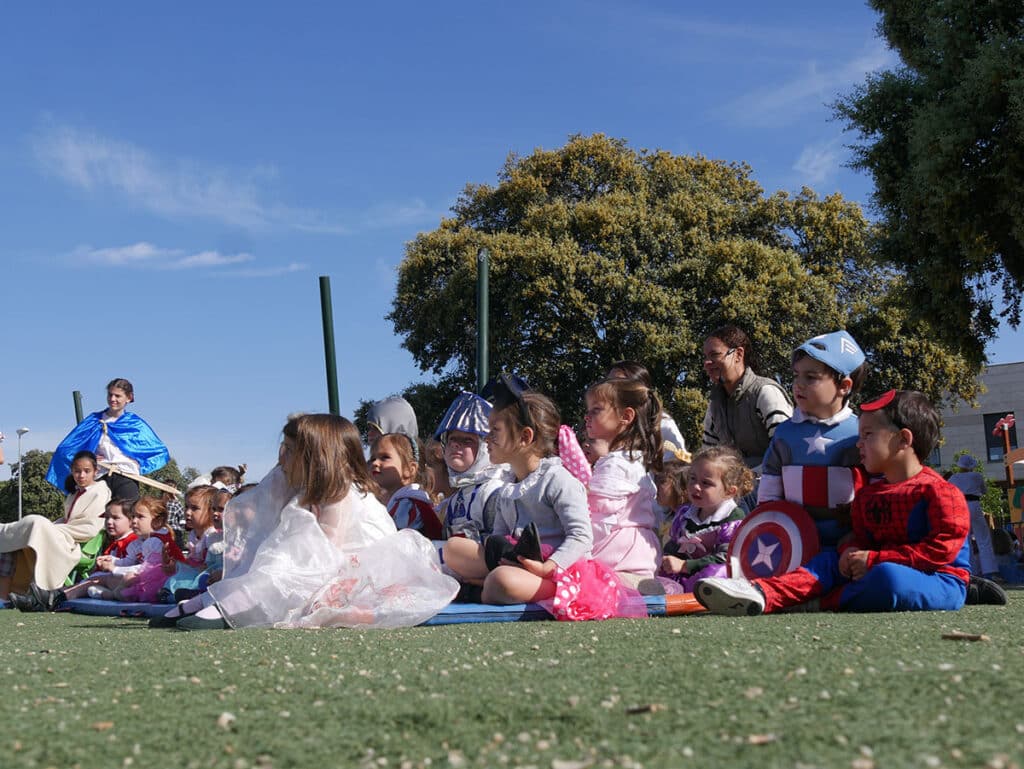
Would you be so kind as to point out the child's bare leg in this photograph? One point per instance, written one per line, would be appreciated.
(511, 584)
(466, 558)
(81, 589)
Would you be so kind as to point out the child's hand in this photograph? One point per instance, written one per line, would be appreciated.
(105, 563)
(544, 570)
(853, 564)
(167, 562)
(672, 565)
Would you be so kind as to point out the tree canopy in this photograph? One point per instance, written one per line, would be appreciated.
(600, 252)
(943, 138)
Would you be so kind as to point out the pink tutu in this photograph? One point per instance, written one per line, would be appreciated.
(146, 585)
(590, 590)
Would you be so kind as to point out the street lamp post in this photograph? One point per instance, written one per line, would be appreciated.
(21, 432)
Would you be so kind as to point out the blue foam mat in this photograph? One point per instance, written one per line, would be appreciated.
(458, 613)
(453, 614)
(117, 608)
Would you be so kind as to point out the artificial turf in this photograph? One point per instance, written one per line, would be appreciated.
(797, 690)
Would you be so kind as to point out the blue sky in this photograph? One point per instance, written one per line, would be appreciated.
(177, 176)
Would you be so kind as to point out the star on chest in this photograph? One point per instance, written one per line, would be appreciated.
(818, 443)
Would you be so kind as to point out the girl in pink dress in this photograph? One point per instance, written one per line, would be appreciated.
(620, 495)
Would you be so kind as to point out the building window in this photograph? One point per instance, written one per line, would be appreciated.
(994, 443)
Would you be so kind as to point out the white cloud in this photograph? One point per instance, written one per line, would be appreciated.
(768, 36)
(269, 272)
(819, 160)
(399, 215)
(788, 102)
(174, 189)
(147, 256)
(135, 254)
(181, 188)
(209, 259)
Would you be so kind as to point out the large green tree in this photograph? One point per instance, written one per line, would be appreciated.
(943, 138)
(601, 252)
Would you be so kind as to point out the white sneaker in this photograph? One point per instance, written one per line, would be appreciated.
(733, 597)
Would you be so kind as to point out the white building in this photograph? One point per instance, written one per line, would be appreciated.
(965, 427)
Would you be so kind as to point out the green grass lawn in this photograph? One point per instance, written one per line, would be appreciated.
(799, 690)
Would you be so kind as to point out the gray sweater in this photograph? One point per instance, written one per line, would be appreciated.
(746, 418)
(557, 503)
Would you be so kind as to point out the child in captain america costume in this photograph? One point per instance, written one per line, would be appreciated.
(812, 459)
(908, 550)
(114, 435)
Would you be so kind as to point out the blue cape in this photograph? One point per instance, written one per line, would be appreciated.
(130, 433)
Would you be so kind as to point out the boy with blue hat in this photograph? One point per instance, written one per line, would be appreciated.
(812, 459)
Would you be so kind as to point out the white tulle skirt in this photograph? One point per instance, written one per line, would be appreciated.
(343, 566)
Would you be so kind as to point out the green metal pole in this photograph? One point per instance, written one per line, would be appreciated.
(483, 277)
(76, 396)
(329, 358)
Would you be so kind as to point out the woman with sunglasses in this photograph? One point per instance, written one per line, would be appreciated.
(744, 408)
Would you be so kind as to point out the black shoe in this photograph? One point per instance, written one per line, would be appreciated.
(184, 593)
(49, 600)
(163, 621)
(470, 594)
(496, 549)
(528, 545)
(25, 602)
(192, 622)
(984, 591)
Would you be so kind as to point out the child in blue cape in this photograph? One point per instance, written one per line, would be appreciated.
(117, 437)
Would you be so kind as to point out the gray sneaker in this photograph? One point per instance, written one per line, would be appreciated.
(732, 597)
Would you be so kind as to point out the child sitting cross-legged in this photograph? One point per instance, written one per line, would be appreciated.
(908, 550)
(542, 517)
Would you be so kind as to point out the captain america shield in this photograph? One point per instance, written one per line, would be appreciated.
(775, 538)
